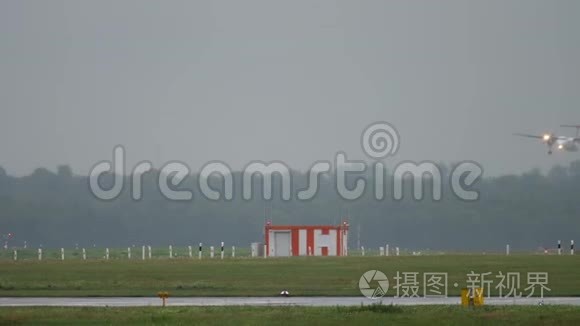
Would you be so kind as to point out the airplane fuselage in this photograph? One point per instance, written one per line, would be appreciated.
(568, 145)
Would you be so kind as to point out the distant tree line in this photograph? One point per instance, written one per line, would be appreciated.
(528, 211)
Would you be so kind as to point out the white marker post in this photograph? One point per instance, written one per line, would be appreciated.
(266, 251)
(61, 253)
(387, 250)
(142, 252)
(190, 252)
(381, 251)
(233, 251)
(396, 251)
(200, 249)
(222, 250)
(571, 247)
(107, 253)
(149, 251)
(507, 249)
(211, 252)
(15, 255)
(39, 253)
(170, 251)
(84, 254)
(362, 249)
(559, 247)
(128, 252)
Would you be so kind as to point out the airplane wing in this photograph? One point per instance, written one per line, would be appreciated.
(577, 130)
(529, 136)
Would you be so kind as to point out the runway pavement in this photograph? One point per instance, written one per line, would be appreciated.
(268, 301)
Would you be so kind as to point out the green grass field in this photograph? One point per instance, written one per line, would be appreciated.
(302, 276)
(367, 315)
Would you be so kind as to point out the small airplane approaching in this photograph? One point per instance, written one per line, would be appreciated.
(564, 143)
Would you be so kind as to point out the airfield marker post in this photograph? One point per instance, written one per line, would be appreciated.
(507, 249)
(265, 251)
(362, 249)
(571, 247)
(233, 251)
(211, 252)
(84, 254)
(559, 247)
(107, 253)
(149, 251)
(222, 250)
(128, 252)
(189, 250)
(387, 250)
(15, 255)
(170, 251)
(396, 251)
(61, 253)
(142, 252)
(381, 251)
(200, 248)
(39, 253)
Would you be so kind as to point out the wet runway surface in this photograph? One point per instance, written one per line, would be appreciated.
(268, 301)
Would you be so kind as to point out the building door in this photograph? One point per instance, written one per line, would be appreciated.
(282, 244)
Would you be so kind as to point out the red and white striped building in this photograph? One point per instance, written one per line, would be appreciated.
(306, 240)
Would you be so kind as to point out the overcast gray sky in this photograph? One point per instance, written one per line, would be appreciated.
(294, 81)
